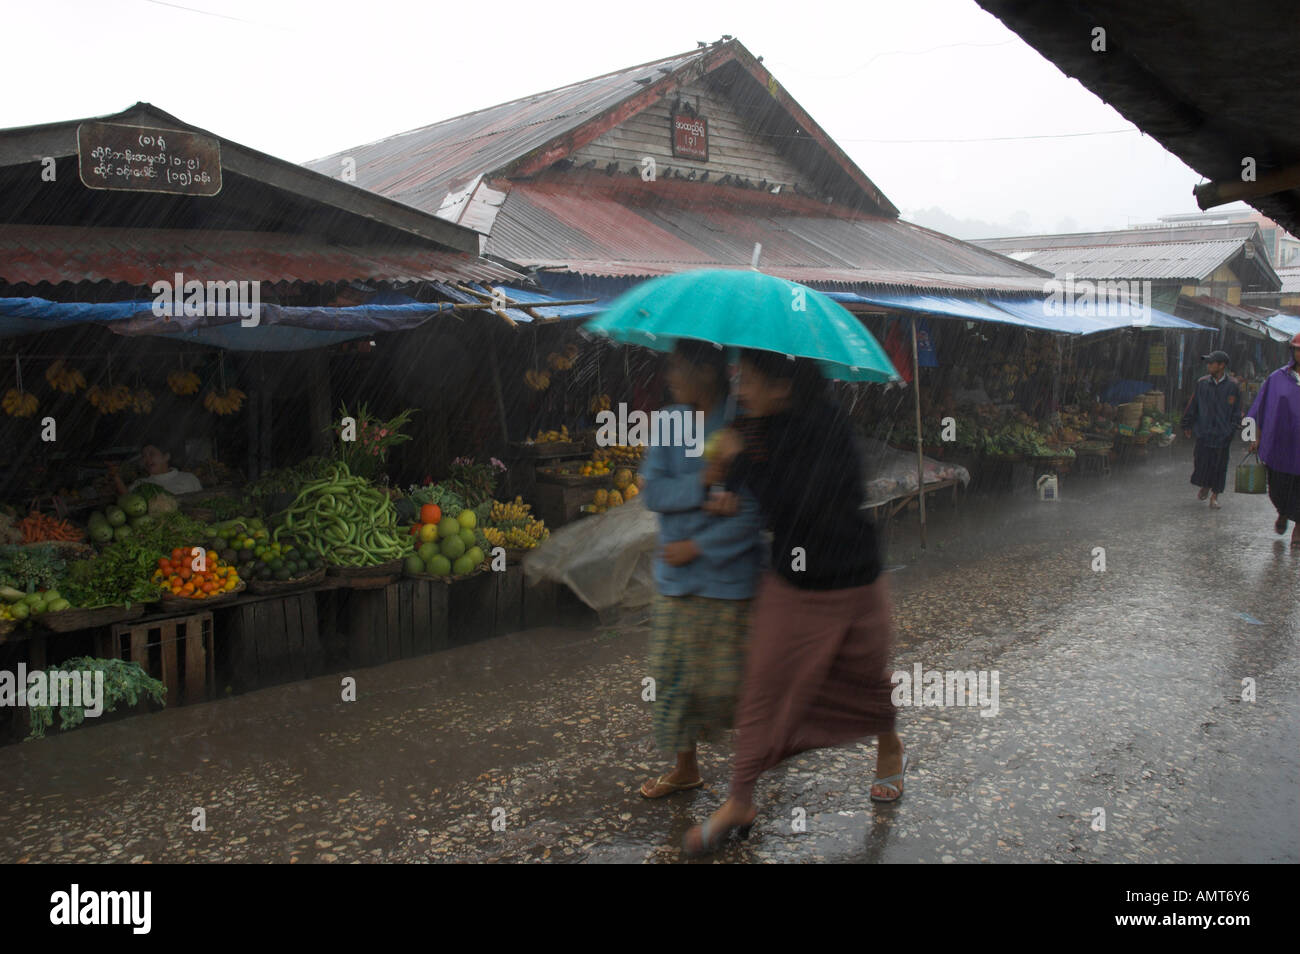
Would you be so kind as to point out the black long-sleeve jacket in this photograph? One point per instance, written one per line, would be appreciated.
(803, 467)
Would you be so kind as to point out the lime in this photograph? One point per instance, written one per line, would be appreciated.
(36, 608)
(20, 610)
(57, 606)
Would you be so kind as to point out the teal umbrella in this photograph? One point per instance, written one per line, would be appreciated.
(743, 308)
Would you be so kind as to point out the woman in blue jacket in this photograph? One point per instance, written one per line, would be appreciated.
(706, 572)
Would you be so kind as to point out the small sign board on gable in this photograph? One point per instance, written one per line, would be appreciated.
(146, 159)
(690, 136)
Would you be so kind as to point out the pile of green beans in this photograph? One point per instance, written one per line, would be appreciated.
(345, 520)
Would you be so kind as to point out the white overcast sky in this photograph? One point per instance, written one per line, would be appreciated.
(300, 80)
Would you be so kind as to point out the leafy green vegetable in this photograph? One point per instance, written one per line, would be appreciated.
(119, 575)
(30, 568)
(123, 682)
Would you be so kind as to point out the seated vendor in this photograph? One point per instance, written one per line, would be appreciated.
(157, 463)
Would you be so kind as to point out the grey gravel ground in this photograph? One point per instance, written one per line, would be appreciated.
(1119, 690)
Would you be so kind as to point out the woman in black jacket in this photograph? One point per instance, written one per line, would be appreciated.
(818, 669)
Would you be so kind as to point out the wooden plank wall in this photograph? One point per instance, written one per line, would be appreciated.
(734, 147)
(273, 641)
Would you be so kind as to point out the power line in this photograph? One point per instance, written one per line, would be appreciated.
(208, 13)
(1100, 132)
(932, 49)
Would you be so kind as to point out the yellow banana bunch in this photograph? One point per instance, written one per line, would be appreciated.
(552, 437)
(19, 404)
(64, 379)
(110, 400)
(228, 402)
(142, 402)
(183, 382)
(599, 403)
(512, 510)
(537, 380)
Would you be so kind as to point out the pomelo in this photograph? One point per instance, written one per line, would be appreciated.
(453, 548)
(428, 532)
(413, 564)
(467, 519)
(468, 538)
(475, 554)
(439, 565)
(463, 565)
(428, 551)
(448, 527)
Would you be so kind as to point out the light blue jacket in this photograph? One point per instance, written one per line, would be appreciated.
(731, 550)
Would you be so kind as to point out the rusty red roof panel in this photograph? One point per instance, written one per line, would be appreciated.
(419, 166)
(636, 229)
(32, 254)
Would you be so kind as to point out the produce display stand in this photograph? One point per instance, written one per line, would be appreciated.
(893, 505)
(524, 460)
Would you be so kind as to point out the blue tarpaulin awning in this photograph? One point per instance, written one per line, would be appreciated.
(1037, 313)
(279, 327)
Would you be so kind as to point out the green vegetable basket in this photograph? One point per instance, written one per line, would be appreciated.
(1251, 478)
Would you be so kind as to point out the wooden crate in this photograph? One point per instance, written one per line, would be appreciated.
(178, 650)
(558, 504)
(273, 640)
(407, 618)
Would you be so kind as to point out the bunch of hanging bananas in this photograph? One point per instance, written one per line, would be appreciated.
(227, 402)
(18, 403)
(599, 403)
(142, 401)
(183, 382)
(65, 379)
(537, 380)
(512, 524)
(110, 400)
(552, 437)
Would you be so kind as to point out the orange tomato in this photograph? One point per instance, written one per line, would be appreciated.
(430, 513)
(415, 528)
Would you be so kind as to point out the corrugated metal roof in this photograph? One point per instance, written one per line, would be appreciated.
(1165, 261)
(615, 233)
(31, 254)
(419, 166)
(1290, 280)
(1199, 232)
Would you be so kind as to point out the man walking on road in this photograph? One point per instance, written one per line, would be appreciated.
(1214, 416)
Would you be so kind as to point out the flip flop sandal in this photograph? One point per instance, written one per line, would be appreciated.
(889, 783)
(1203, 493)
(709, 845)
(673, 787)
(1280, 526)
(1215, 505)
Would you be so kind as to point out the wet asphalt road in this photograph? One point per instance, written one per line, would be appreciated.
(1118, 690)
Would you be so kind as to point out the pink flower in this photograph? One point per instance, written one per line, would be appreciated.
(383, 433)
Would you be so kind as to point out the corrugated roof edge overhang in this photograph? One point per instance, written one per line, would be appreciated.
(811, 276)
(31, 144)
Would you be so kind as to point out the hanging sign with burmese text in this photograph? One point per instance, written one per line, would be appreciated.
(144, 159)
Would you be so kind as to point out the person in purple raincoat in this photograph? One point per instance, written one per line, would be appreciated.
(1277, 414)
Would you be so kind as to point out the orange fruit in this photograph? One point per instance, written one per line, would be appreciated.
(430, 513)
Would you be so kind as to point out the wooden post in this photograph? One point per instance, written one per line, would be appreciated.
(920, 456)
(501, 401)
(319, 412)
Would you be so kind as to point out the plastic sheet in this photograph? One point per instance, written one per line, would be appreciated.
(891, 473)
(606, 559)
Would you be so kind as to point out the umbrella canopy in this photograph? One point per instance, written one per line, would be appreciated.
(746, 309)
